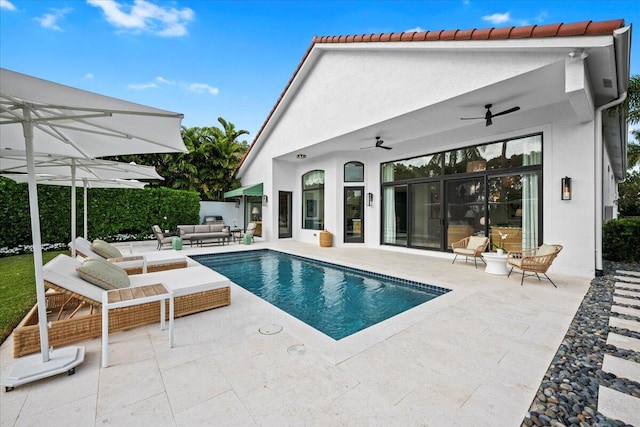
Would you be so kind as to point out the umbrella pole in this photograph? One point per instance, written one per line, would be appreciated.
(73, 208)
(46, 364)
(37, 242)
(85, 210)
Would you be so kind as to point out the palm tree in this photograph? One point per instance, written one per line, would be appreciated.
(633, 117)
(229, 152)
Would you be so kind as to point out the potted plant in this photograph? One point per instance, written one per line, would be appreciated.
(500, 248)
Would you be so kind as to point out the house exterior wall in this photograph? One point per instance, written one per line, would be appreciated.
(413, 81)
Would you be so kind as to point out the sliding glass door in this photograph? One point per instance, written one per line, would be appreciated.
(514, 210)
(465, 208)
(426, 216)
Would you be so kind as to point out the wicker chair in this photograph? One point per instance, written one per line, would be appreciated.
(535, 260)
(472, 246)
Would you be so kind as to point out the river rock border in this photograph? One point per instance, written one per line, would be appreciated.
(568, 394)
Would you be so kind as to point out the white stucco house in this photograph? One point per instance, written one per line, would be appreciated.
(410, 141)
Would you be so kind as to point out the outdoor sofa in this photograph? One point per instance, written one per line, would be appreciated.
(205, 233)
(75, 314)
(146, 262)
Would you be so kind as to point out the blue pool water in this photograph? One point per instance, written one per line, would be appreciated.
(336, 300)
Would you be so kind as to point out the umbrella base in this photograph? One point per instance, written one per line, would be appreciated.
(32, 368)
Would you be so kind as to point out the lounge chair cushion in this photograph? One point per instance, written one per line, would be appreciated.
(475, 241)
(105, 250)
(103, 274)
(545, 250)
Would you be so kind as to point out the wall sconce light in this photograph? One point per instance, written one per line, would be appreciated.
(265, 199)
(237, 203)
(369, 199)
(566, 188)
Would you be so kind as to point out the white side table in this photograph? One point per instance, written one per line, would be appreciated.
(496, 263)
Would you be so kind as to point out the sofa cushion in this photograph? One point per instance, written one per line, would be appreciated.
(105, 250)
(102, 273)
(186, 229)
(216, 227)
(204, 228)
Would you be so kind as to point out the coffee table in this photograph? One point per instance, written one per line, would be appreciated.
(496, 263)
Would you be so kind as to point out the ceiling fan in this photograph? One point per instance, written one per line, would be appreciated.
(489, 115)
(379, 143)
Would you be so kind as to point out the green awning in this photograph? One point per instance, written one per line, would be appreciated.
(249, 190)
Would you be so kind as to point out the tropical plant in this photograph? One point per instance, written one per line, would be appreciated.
(207, 168)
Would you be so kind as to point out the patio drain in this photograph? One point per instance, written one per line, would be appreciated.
(270, 329)
(297, 349)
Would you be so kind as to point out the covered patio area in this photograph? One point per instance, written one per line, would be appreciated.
(474, 356)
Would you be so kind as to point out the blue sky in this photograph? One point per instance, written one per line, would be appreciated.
(232, 59)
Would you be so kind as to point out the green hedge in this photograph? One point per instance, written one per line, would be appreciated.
(621, 239)
(112, 212)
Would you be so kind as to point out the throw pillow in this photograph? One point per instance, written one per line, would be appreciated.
(102, 273)
(105, 250)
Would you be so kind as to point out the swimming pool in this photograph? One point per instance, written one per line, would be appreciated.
(336, 300)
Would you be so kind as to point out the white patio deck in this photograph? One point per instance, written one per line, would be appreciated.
(475, 356)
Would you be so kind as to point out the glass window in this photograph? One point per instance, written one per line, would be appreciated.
(513, 211)
(394, 215)
(353, 172)
(426, 218)
(417, 167)
(313, 200)
(497, 155)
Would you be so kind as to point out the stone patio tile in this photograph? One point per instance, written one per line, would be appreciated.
(621, 341)
(626, 310)
(619, 406)
(631, 325)
(621, 368)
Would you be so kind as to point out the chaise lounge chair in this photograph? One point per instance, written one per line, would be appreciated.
(472, 246)
(146, 262)
(76, 312)
(536, 260)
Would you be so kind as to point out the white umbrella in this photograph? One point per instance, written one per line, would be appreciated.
(87, 183)
(13, 161)
(41, 116)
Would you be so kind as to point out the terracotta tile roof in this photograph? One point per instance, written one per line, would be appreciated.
(585, 28)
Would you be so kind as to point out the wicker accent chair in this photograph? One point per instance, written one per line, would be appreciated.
(535, 260)
(472, 246)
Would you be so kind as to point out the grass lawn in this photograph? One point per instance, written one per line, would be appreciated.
(18, 289)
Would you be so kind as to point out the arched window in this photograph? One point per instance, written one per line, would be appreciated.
(313, 200)
(353, 172)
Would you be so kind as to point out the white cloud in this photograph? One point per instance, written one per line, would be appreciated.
(88, 76)
(165, 81)
(416, 29)
(142, 86)
(50, 20)
(191, 87)
(6, 4)
(497, 18)
(203, 87)
(146, 16)
(541, 17)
